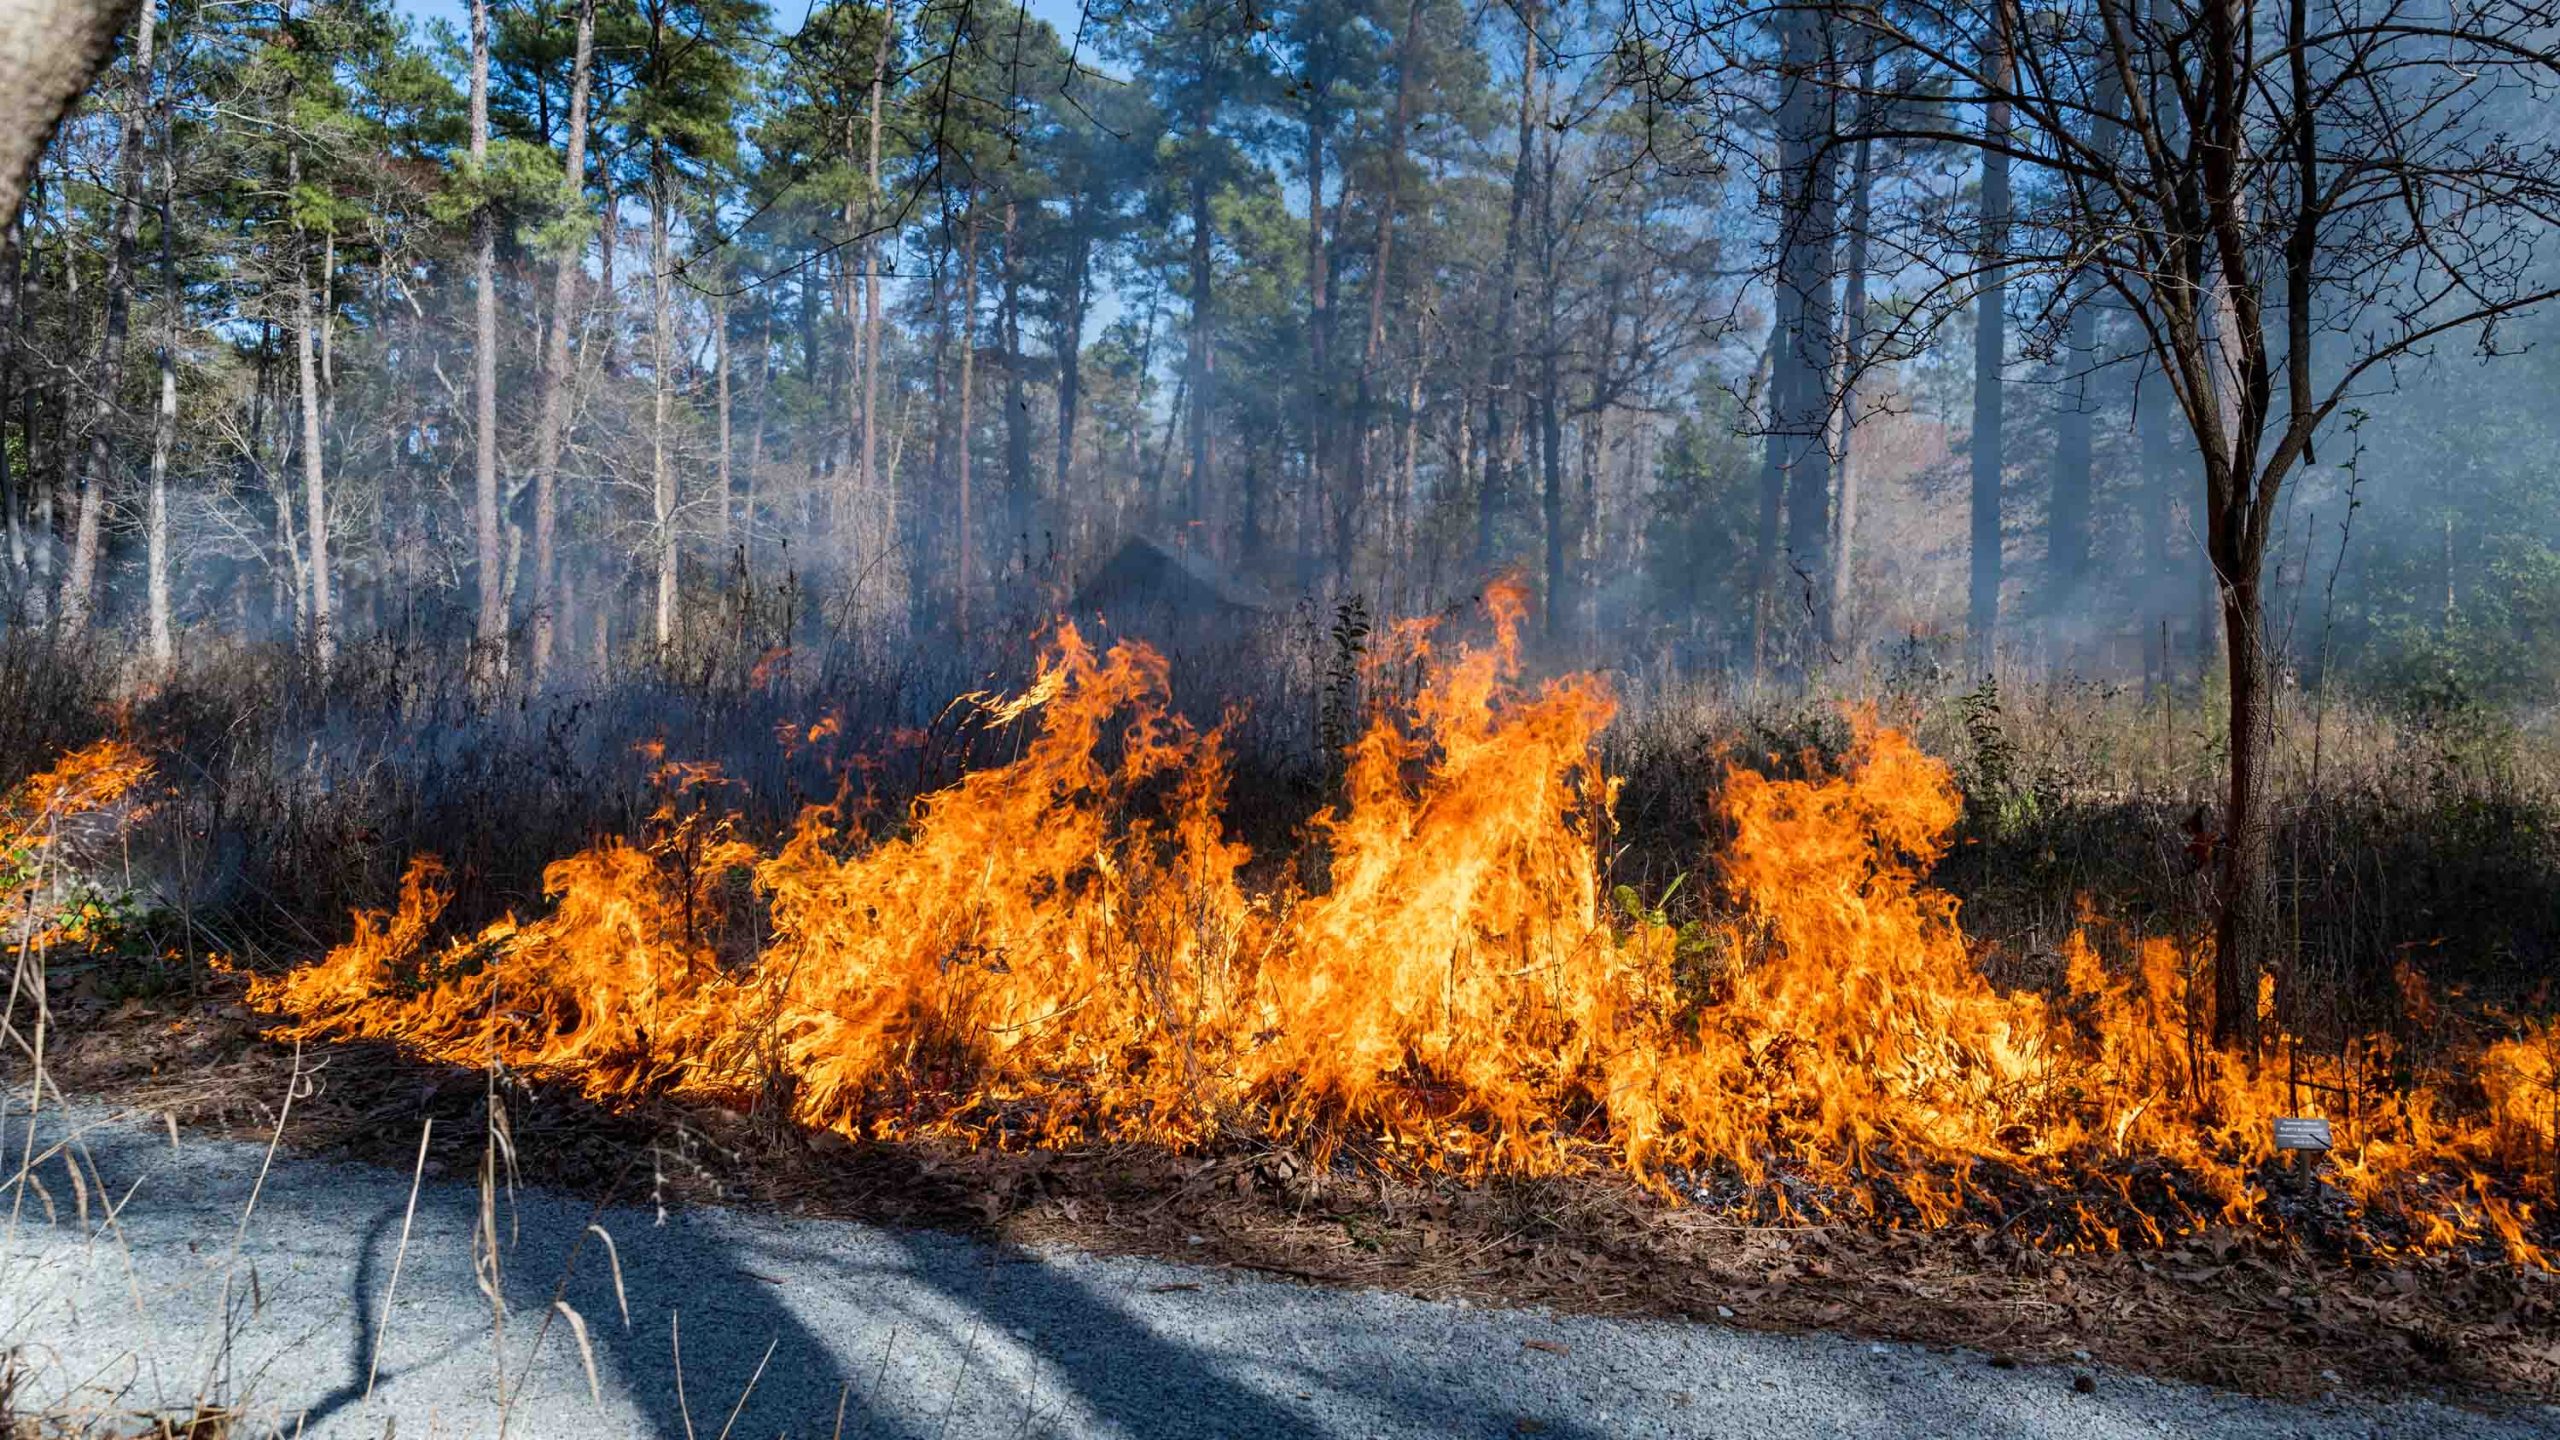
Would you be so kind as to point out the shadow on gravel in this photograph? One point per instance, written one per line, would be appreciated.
(675, 1274)
(1129, 1373)
(827, 1303)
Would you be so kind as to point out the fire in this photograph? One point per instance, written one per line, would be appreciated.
(88, 779)
(1064, 948)
(96, 777)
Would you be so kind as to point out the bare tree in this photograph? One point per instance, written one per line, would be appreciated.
(2287, 199)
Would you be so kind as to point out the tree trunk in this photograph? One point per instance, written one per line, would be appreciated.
(662, 475)
(1559, 597)
(13, 289)
(1252, 538)
(2245, 931)
(80, 579)
(968, 573)
(608, 289)
(2066, 542)
(1021, 502)
(813, 277)
(928, 517)
(1364, 399)
(490, 636)
(1853, 346)
(1200, 366)
(2074, 470)
(1801, 377)
(722, 475)
(746, 542)
(61, 495)
(162, 650)
(1551, 510)
(2159, 498)
(1494, 495)
(315, 497)
(871, 268)
(1990, 352)
(552, 428)
(1773, 482)
(1069, 346)
(1319, 405)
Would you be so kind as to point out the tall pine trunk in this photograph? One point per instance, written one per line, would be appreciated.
(162, 640)
(722, 474)
(1763, 394)
(2152, 404)
(968, 574)
(1561, 604)
(1021, 500)
(552, 428)
(13, 516)
(1801, 374)
(320, 605)
(662, 475)
(1853, 343)
(869, 460)
(1357, 484)
(490, 635)
(1320, 420)
(1069, 345)
(2066, 543)
(1494, 496)
(80, 578)
(1200, 367)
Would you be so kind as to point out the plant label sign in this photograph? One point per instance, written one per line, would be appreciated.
(2302, 1133)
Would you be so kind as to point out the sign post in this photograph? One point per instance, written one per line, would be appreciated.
(2306, 1138)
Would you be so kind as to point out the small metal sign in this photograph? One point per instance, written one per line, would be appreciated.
(2302, 1132)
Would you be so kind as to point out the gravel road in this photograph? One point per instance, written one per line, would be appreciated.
(909, 1334)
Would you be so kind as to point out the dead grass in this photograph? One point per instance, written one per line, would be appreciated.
(2431, 840)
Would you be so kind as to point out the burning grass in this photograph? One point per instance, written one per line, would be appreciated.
(1069, 948)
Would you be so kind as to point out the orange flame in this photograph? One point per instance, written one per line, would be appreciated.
(1062, 948)
(90, 778)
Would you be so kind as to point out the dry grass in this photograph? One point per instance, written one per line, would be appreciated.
(2425, 839)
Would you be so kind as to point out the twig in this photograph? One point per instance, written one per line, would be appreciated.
(382, 1327)
(675, 1339)
(751, 1387)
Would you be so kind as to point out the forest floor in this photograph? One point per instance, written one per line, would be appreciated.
(2232, 1310)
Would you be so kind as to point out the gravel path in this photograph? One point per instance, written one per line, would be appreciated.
(912, 1334)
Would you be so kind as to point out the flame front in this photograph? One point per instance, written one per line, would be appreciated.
(1063, 948)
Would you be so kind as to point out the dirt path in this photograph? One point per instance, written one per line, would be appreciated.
(912, 1334)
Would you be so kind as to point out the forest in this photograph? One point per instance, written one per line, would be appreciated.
(933, 311)
(1713, 650)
